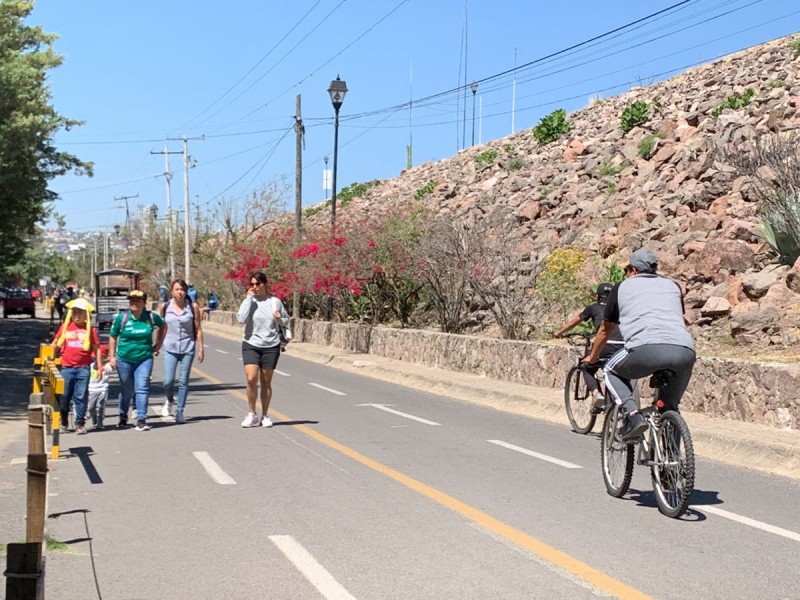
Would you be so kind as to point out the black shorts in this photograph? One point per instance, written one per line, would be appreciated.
(265, 358)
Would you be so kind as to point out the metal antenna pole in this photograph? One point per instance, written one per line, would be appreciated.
(187, 232)
(170, 221)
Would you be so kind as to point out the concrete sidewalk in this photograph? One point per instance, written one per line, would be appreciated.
(736, 443)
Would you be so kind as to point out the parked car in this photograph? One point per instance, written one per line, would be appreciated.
(19, 302)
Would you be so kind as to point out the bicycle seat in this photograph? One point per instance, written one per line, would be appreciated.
(661, 378)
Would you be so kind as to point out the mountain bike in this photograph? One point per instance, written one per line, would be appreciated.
(578, 400)
(666, 447)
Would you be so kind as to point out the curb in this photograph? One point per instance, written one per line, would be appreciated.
(748, 445)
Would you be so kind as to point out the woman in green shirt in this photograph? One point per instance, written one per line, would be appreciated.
(131, 348)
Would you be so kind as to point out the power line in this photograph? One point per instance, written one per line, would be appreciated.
(253, 68)
(330, 60)
(264, 158)
(420, 103)
(533, 62)
(110, 185)
(272, 68)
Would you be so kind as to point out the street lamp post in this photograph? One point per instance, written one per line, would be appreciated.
(474, 87)
(337, 91)
(325, 176)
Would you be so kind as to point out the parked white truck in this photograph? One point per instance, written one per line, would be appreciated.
(112, 287)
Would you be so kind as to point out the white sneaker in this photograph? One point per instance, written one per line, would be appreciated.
(266, 421)
(251, 420)
(165, 410)
(179, 418)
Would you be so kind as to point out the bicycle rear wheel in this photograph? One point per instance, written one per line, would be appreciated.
(578, 402)
(616, 457)
(673, 475)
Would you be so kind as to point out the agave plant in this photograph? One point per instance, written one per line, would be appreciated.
(780, 238)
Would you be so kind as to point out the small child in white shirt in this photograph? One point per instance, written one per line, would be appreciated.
(98, 390)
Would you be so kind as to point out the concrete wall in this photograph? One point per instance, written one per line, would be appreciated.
(756, 392)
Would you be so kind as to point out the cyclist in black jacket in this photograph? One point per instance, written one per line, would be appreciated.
(594, 313)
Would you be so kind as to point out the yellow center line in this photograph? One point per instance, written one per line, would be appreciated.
(568, 563)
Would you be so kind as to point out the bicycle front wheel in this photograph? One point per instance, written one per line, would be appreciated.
(673, 472)
(578, 402)
(616, 457)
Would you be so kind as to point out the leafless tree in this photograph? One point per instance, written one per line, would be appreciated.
(502, 275)
(242, 218)
(447, 251)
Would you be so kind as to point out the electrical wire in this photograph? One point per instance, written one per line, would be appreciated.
(253, 68)
(327, 62)
(264, 158)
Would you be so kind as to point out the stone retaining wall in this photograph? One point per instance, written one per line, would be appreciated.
(755, 392)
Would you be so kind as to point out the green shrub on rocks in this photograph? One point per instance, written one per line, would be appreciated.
(311, 211)
(635, 114)
(795, 48)
(608, 169)
(735, 101)
(552, 127)
(354, 190)
(648, 143)
(515, 164)
(487, 157)
(425, 190)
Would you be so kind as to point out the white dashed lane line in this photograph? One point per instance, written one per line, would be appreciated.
(544, 457)
(750, 522)
(213, 469)
(385, 408)
(327, 389)
(314, 572)
(220, 351)
(282, 373)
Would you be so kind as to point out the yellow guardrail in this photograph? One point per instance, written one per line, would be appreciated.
(47, 381)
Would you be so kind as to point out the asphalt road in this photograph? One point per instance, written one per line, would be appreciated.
(366, 489)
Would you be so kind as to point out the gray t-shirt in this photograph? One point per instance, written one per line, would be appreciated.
(180, 338)
(260, 326)
(649, 310)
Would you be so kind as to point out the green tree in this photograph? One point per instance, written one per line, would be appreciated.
(29, 159)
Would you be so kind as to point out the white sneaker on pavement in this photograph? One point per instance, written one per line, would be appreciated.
(251, 420)
(165, 410)
(266, 421)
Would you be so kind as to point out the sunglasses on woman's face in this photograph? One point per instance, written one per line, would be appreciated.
(255, 283)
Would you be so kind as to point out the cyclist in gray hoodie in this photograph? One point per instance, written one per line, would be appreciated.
(648, 309)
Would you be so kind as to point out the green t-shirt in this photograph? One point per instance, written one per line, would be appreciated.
(135, 339)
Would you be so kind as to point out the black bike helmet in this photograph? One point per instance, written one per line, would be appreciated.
(603, 290)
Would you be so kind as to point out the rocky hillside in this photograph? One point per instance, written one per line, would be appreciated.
(610, 191)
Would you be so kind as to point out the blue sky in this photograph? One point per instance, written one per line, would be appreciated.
(141, 72)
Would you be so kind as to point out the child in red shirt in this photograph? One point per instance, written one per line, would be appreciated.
(79, 345)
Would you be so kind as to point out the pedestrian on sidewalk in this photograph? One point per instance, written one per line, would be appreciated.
(263, 316)
(98, 390)
(131, 347)
(183, 342)
(79, 345)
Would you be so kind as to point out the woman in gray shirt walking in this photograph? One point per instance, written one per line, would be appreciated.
(263, 316)
(182, 344)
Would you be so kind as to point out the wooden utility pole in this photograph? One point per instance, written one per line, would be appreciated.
(299, 130)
